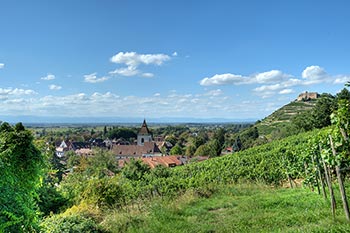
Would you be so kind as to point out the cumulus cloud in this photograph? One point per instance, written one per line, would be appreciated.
(174, 54)
(16, 91)
(92, 78)
(275, 81)
(128, 71)
(133, 60)
(147, 75)
(234, 79)
(48, 77)
(270, 76)
(2, 65)
(209, 104)
(286, 91)
(55, 87)
(223, 79)
(216, 92)
(341, 79)
(314, 73)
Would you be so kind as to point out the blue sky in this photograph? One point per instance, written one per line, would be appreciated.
(200, 59)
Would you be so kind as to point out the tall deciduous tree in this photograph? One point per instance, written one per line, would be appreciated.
(21, 165)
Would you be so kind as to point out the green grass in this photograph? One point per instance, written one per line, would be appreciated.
(237, 208)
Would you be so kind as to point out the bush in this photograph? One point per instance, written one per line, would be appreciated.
(70, 223)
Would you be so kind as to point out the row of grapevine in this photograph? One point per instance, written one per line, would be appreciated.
(327, 156)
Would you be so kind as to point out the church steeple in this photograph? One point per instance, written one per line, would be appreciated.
(144, 134)
(144, 129)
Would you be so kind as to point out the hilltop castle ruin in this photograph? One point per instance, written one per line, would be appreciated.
(306, 96)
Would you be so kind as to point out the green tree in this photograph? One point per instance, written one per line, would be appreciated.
(190, 150)
(21, 167)
(215, 148)
(323, 110)
(303, 121)
(176, 150)
(105, 131)
(203, 150)
(344, 94)
(135, 170)
(220, 136)
(199, 140)
(121, 133)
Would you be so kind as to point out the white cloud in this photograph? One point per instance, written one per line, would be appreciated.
(133, 60)
(286, 91)
(16, 91)
(48, 77)
(174, 54)
(147, 75)
(92, 78)
(275, 81)
(209, 104)
(234, 79)
(314, 73)
(223, 79)
(273, 87)
(341, 79)
(216, 92)
(270, 76)
(128, 71)
(55, 87)
(2, 65)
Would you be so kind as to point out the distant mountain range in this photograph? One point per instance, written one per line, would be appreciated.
(116, 120)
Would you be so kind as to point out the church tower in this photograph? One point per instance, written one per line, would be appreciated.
(144, 135)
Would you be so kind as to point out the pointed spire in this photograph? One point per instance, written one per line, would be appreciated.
(144, 129)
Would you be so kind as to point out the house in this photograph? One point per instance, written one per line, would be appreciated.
(152, 162)
(165, 146)
(167, 161)
(62, 149)
(79, 145)
(84, 152)
(136, 151)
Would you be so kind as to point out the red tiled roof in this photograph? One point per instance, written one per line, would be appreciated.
(135, 150)
(167, 161)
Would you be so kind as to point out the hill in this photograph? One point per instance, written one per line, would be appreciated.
(278, 125)
(282, 117)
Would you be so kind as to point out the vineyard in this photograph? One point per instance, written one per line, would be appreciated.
(318, 158)
(92, 196)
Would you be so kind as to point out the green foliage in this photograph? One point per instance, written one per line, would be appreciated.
(135, 170)
(176, 150)
(73, 223)
(105, 192)
(344, 94)
(190, 150)
(122, 133)
(49, 199)
(322, 111)
(199, 140)
(247, 138)
(203, 150)
(21, 165)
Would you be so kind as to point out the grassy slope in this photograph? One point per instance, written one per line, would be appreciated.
(239, 208)
(282, 117)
